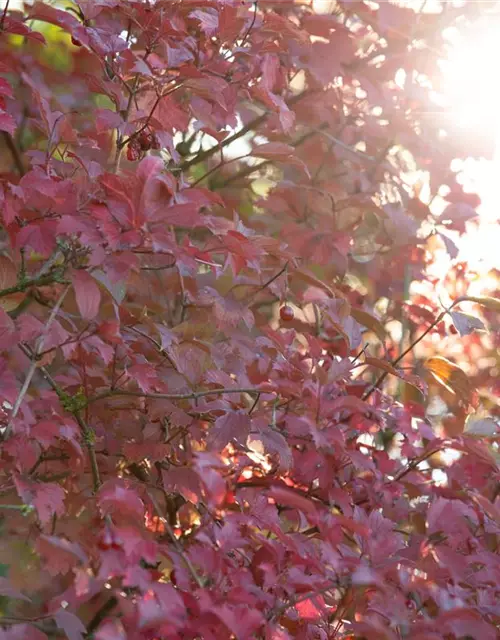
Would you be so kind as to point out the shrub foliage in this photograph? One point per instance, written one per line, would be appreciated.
(211, 427)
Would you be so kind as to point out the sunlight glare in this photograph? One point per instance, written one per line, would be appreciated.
(471, 90)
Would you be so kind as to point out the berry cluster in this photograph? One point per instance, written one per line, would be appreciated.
(142, 142)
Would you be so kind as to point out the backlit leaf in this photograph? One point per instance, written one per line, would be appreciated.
(466, 323)
(450, 376)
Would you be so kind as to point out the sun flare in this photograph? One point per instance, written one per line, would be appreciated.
(471, 95)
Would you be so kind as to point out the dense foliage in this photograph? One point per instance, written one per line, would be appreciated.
(236, 400)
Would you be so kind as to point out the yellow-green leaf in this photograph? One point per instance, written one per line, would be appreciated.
(486, 301)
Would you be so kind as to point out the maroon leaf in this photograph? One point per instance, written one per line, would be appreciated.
(234, 425)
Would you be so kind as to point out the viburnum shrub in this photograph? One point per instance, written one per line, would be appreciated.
(218, 394)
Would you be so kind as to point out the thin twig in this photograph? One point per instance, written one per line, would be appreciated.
(33, 366)
(175, 542)
(33, 282)
(250, 126)
(384, 375)
(270, 281)
(173, 396)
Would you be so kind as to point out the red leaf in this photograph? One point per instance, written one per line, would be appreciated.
(311, 609)
(60, 555)
(46, 497)
(111, 630)
(119, 499)
(234, 425)
(209, 22)
(7, 122)
(88, 295)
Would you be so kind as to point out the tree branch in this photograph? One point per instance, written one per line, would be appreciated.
(174, 396)
(32, 369)
(253, 124)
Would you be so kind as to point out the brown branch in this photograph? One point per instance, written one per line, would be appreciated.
(26, 284)
(173, 396)
(175, 542)
(253, 124)
(246, 171)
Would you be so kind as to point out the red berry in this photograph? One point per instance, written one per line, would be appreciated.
(105, 540)
(155, 144)
(145, 140)
(286, 313)
(133, 152)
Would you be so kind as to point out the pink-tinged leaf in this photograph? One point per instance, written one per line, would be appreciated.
(60, 555)
(88, 295)
(209, 20)
(7, 122)
(6, 589)
(462, 622)
(5, 88)
(241, 620)
(183, 480)
(12, 25)
(106, 119)
(272, 442)
(179, 215)
(145, 375)
(490, 509)
(211, 89)
(72, 626)
(162, 604)
(232, 426)
(311, 609)
(465, 323)
(111, 630)
(40, 238)
(115, 497)
(168, 115)
(350, 404)
(117, 289)
(46, 497)
(273, 151)
(22, 632)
